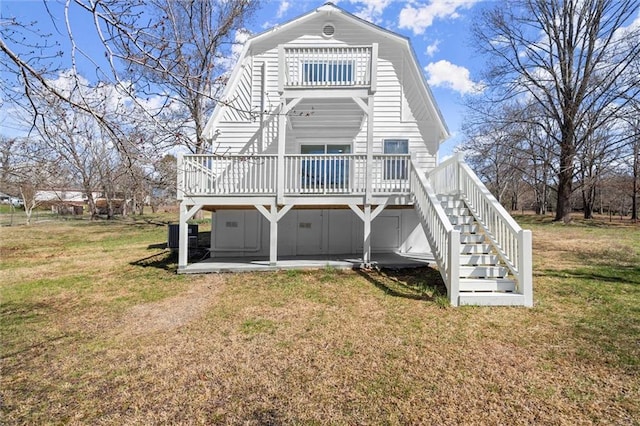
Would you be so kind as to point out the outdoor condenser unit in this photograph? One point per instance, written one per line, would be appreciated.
(173, 238)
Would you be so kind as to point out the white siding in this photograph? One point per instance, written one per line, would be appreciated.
(240, 133)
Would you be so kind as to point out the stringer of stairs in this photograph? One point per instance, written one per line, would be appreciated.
(484, 280)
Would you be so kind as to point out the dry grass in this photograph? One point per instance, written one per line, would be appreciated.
(97, 328)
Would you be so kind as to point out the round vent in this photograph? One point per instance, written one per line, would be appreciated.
(328, 30)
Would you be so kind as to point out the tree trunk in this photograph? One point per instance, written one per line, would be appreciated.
(92, 205)
(636, 169)
(565, 176)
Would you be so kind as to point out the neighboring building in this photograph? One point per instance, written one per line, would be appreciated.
(64, 195)
(64, 201)
(326, 144)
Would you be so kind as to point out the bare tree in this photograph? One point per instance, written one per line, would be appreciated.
(572, 58)
(176, 51)
(31, 168)
(183, 52)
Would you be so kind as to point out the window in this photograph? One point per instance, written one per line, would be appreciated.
(396, 168)
(331, 172)
(328, 72)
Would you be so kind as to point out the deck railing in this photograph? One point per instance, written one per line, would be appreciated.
(443, 238)
(213, 175)
(511, 241)
(331, 66)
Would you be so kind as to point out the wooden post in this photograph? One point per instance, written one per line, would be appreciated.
(282, 128)
(366, 243)
(180, 176)
(369, 175)
(454, 267)
(374, 69)
(273, 215)
(263, 106)
(525, 267)
(186, 212)
(273, 236)
(183, 241)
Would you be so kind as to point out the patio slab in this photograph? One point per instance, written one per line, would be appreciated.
(346, 261)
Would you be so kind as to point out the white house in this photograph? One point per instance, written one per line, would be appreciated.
(326, 144)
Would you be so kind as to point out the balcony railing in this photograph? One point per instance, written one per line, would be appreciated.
(328, 174)
(306, 67)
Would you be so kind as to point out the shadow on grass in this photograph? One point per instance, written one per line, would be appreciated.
(409, 283)
(615, 275)
(166, 260)
(23, 315)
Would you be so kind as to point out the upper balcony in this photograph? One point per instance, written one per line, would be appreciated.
(327, 67)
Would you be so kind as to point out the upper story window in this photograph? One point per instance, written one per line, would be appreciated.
(396, 167)
(328, 72)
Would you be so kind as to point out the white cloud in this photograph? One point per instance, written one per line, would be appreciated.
(433, 48)
(284, 6)
(419, 18)
(240, 38)
(371, 10)
(445, 74)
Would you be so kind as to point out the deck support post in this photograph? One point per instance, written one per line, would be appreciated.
(187, 211)
(367, 216)
(273, 215)
(366, 242)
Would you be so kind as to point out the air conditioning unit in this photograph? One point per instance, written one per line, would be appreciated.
(173, 238)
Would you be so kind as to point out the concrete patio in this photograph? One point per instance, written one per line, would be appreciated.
(346, 261)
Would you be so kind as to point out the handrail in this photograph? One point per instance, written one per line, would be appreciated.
(304, 174)
(497, 223)
(443, 238)
(326, 66)
(205, 174)
(512, 243)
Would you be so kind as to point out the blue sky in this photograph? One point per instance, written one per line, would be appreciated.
(439, 31)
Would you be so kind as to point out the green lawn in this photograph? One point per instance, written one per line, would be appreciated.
(97, 328)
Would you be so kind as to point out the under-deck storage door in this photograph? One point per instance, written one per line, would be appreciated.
(385, 233)
(309, 230)
(340, 225)
(229, 230)
(236, 230)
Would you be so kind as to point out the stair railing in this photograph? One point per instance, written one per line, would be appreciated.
(513, 244)
(443, 238)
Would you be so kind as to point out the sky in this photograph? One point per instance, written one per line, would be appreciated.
(439, 30)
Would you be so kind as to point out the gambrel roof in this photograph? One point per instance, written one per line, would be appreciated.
(394, 47)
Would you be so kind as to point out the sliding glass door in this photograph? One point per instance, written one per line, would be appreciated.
(325, 169)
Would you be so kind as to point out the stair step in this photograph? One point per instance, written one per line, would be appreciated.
(456, 211)
(468, 228)
(452, 203)
(472, 238)
(491, 299)
(493, 284)
(460, 220)
(475, 249)
(483, 271)
(478, 259)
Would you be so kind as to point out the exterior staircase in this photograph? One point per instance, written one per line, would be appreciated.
(484, 278)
